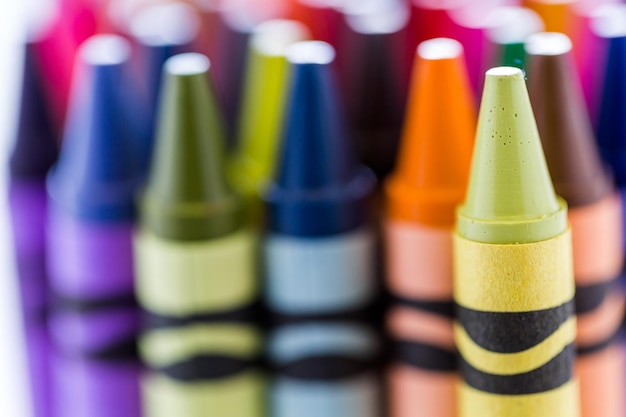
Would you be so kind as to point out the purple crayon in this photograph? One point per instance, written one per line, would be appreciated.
(33, 154)
(94, 321)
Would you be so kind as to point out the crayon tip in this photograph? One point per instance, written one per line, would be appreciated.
(564, 125)
(318, 188)
(187, 196)
(507, 29)
(510, 198)
(431, 175)
(35, 147)
(96, 175)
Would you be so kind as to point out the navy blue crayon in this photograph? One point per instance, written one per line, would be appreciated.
(34, 152)
(94, 321)
(159, 32)
(319, 254)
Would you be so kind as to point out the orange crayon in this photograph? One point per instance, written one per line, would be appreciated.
(429, 180)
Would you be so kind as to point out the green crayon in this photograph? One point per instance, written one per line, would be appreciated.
(514, 283)
(196, 263)
(507, 28)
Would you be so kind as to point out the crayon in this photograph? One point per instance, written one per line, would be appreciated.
(34, 152)
(590, 50)
(513, 275)
(159, 32)
(507, 29)
(557, 15)
(319, 255)
(595, 216)
(323, 17)
(196, 262)
(233, 30)
(421, 199)
(94, 321)
(611, 129)
(461, 20)
(263, 102)
(373, 75)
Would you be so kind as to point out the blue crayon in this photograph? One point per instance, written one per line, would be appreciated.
(94, 321)
(319, 255)
(34, 152)
(159, 32)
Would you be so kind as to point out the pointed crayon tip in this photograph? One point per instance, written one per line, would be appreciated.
(318, 189)
(187, 196)
(564, 125)
(431, 175)
(97, 173)
(510, 196)
(35, 147)
(263, 103)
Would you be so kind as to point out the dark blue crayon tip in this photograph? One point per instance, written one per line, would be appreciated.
(97, 172)
(319, 188)
(35, 148)
(612, 119)
(160, 32)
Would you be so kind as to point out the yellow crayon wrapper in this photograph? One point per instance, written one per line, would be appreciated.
(515, 328)
(186, 278)
(240, 395)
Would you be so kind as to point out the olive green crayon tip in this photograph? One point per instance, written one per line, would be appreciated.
(510, 198)
(187, 196)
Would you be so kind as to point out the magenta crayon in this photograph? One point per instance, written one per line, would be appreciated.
(94, 320)
(34, 152)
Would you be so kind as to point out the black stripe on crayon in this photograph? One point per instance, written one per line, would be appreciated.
(325, 368)
(122, 350)
(247, 315)
(552, 375)
(425, 356)
(590, 297)
(441, 308)
(365, 314)
(584, 350)
(62, 303)
(206, 368)
(513, 332)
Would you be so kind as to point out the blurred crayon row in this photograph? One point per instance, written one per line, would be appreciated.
(246, 208)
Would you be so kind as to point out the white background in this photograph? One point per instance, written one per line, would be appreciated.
(14, 400)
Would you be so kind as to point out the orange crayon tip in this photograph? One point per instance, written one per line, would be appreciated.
(432, 169)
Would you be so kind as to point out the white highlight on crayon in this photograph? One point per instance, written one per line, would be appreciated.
(512, 24)
(188, 64)
(440, 48)
(105, 50)
(311, 52)
(505, 72)
(376, 17)
(166, 24)
(273, 38)
(609, 21)
(548, 44)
